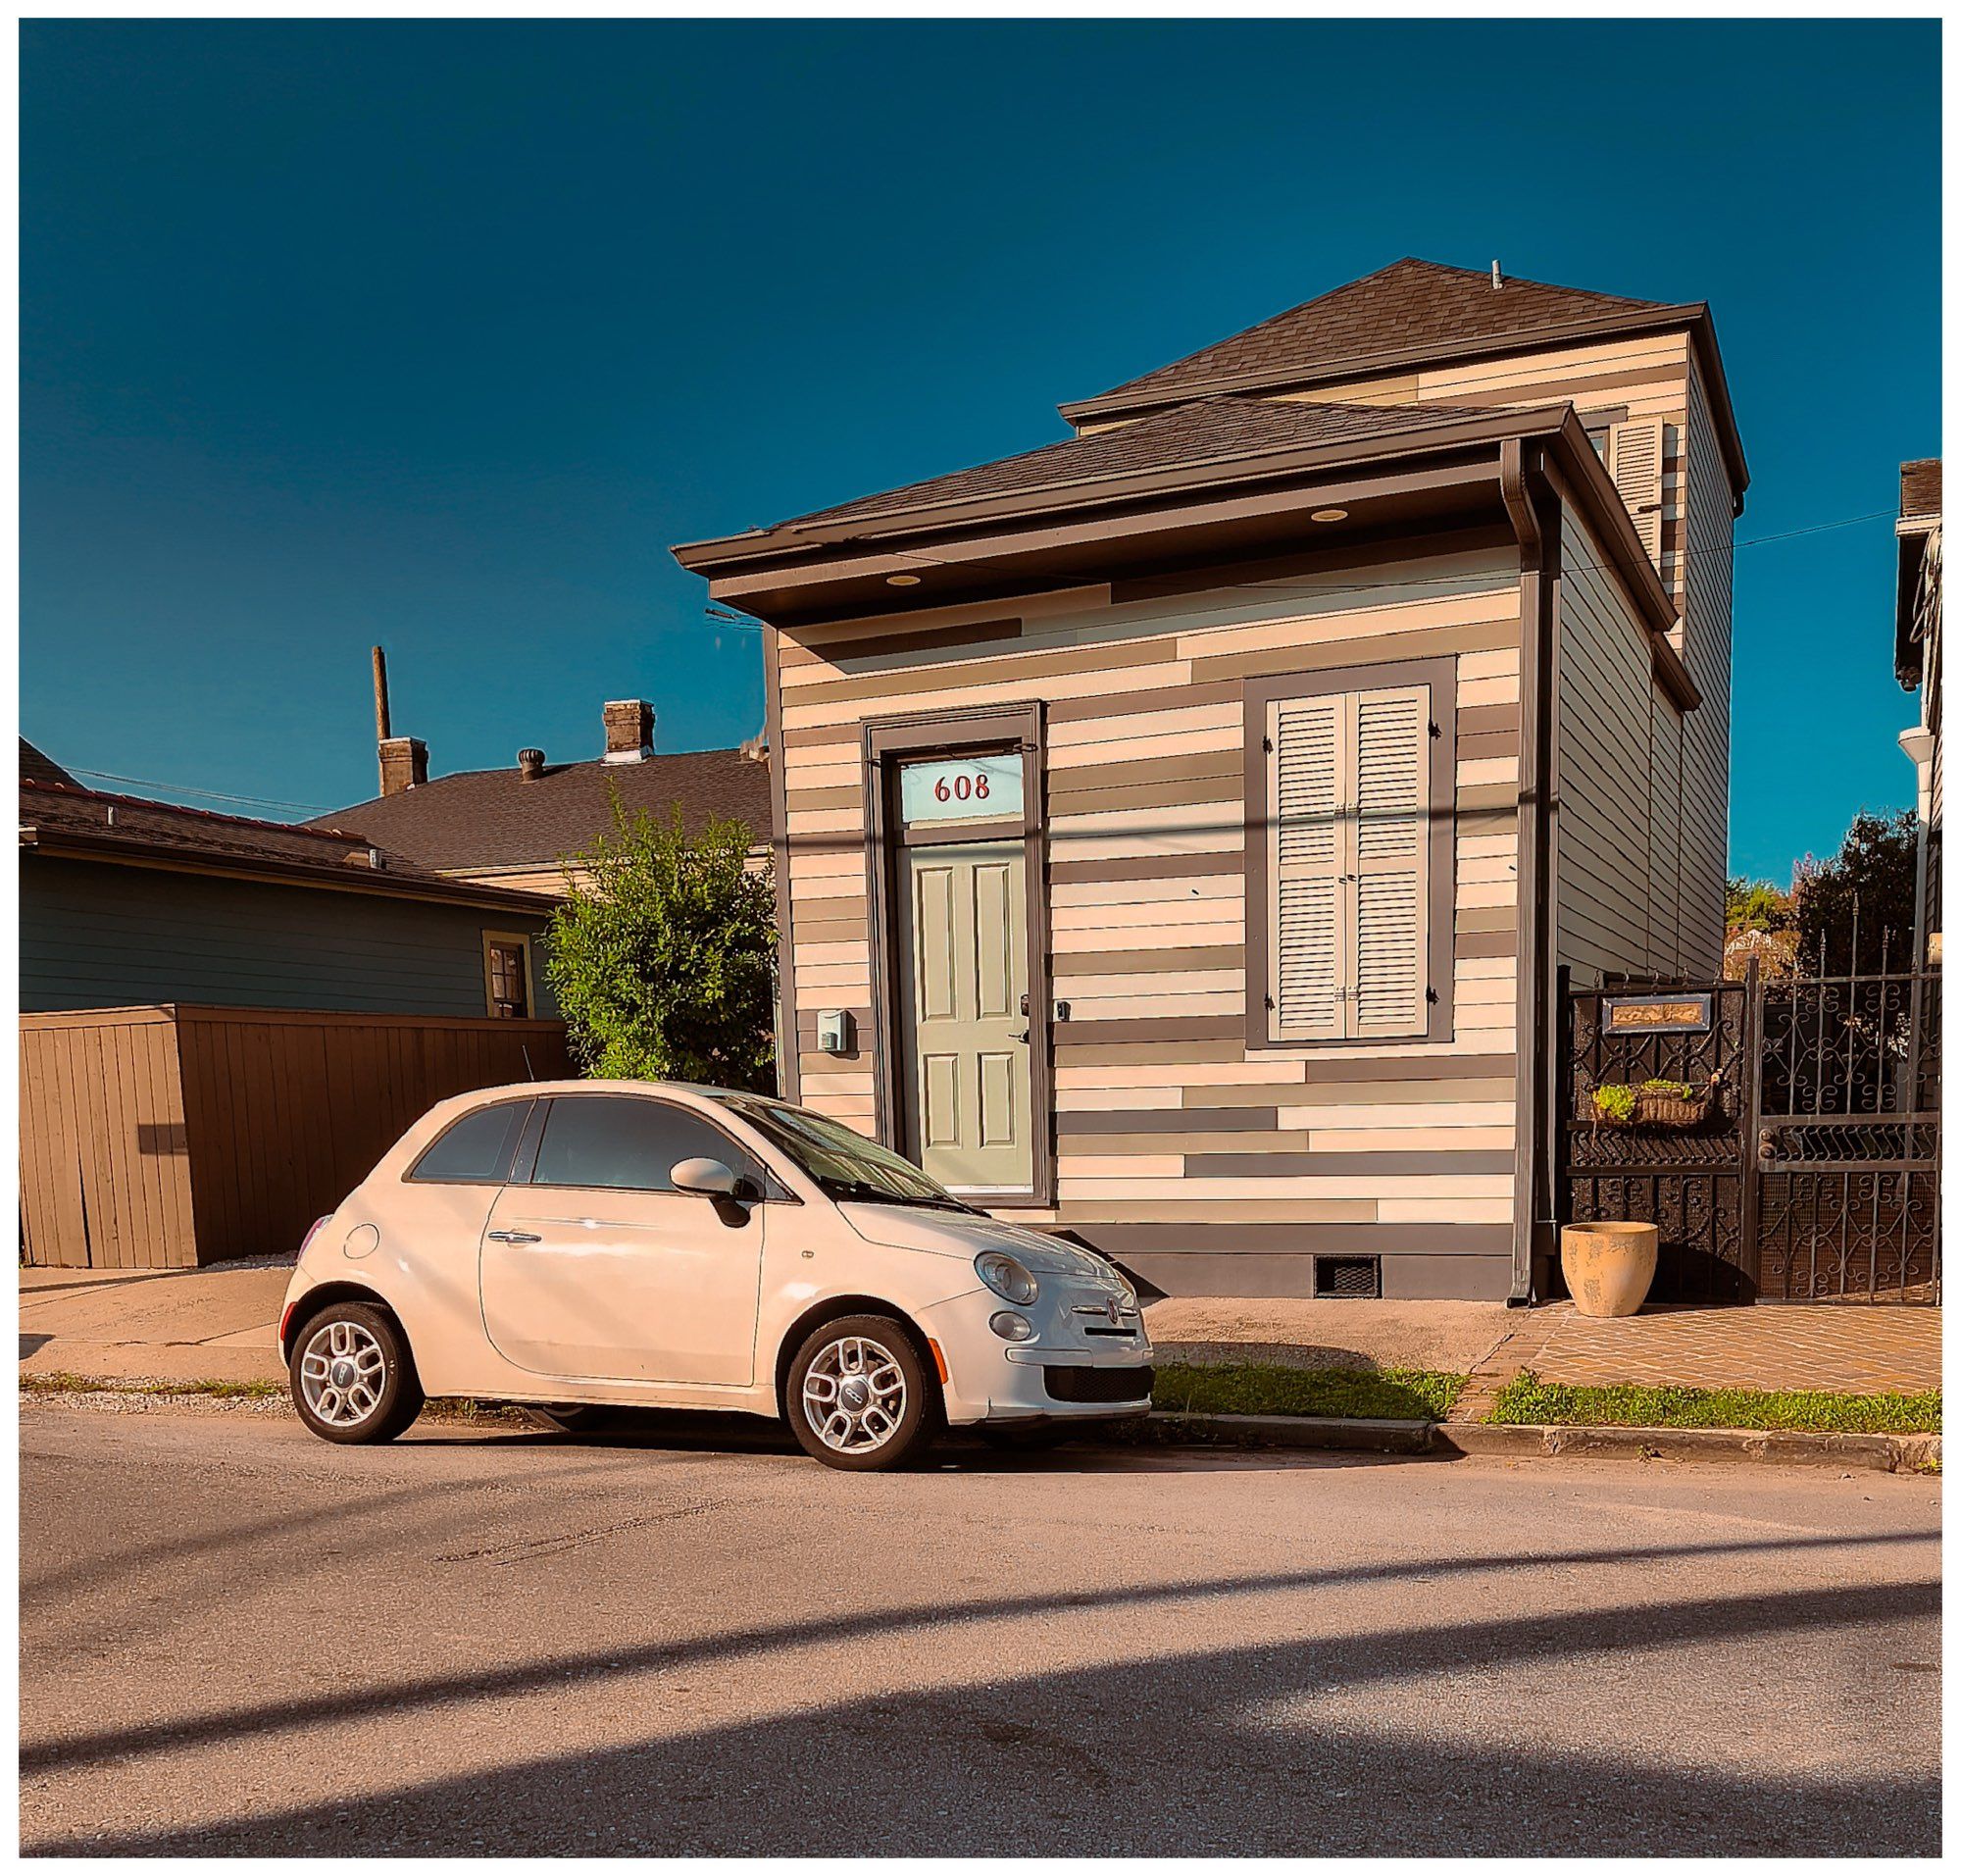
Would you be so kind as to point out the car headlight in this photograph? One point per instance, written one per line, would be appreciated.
(1005, 1276)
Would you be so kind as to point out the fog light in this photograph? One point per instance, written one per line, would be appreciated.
(1011, 1327)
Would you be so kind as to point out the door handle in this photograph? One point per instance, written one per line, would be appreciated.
(1023, 1037)
(514, 1236)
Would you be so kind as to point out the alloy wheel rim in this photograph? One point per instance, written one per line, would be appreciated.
(854, 1395)
(342, 1373)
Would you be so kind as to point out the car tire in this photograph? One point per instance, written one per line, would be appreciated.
(353, 1379)
(860, 1397)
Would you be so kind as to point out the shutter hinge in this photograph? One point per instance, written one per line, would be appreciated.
(1270, 1003)
(1267, 744)
(1430, 994)
(1436, 730)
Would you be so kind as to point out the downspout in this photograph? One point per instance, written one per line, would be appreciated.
(1537, 1021)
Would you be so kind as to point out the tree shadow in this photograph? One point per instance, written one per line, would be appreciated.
(1210, 1751)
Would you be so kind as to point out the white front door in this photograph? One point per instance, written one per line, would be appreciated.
(598, 1270)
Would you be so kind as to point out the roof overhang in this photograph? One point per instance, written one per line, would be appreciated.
(1694, 318)
(69, 844)
(1425, 483)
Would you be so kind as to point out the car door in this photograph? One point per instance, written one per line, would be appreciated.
(595, 1268)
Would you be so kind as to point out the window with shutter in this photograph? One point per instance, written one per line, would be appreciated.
(1348, 860)
(1635, 462)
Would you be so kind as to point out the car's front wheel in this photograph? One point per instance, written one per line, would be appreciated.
(860, 1396)
(353, 1379)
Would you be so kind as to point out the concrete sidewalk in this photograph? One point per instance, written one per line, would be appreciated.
(219, 1324)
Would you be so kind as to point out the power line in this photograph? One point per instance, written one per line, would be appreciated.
(203, 794)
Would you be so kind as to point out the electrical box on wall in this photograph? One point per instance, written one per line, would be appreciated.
(834, 1031)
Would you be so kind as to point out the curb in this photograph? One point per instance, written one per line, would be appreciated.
(1285, 1430)
(1848, 1451)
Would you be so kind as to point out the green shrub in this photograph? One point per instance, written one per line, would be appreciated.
(664, 957)
(1612, 1101)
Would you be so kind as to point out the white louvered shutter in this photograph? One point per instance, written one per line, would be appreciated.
(1390, 865)
(1635, 462)
(1348, 855)
(1308, 753)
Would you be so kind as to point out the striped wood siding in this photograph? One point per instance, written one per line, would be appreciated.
(1646, 375)
(1618, 823)
(1206, 1165)
(1706, 732)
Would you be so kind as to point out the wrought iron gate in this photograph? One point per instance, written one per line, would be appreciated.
(1813, 1174)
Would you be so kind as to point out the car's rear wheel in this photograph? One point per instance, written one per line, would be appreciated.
(353, 1379)
(860, 1396)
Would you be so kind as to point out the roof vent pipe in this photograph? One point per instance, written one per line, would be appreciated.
(1497, 279)
(531, 763)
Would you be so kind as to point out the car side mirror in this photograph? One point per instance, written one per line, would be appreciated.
(708, 1176)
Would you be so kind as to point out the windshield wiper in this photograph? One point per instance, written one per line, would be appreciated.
(864, 1190)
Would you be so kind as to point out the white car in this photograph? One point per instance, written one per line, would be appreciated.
(580, 1245)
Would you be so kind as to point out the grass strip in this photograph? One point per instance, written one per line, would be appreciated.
(1527, 1401)
(1337, 1393)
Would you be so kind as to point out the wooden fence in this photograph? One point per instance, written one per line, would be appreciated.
(175, 1135)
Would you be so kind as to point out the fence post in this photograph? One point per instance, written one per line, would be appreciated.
(1750, 1117)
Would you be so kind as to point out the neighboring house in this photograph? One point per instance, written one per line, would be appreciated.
(130, 901)
(1180, 828)
(514, 827)
(1917, 661)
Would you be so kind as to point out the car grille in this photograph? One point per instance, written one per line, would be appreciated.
(1082, 1385)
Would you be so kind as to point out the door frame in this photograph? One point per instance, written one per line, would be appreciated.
(984, 729)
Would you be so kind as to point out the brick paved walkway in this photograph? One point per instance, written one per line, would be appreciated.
(1839, 1348)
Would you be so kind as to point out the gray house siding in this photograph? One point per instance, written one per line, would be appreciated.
(98, 936)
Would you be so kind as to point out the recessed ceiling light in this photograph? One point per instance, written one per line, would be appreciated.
(902, 579)
(1329, 513)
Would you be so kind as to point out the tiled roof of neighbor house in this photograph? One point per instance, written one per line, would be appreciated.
(484, 818)
(35, 767)
(67, 815)
(1214, 430)
(1920, 489)
(1406, 306)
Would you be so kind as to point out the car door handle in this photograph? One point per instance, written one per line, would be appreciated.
(514, 1236)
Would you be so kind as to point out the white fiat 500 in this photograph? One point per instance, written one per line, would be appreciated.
(578, 1246)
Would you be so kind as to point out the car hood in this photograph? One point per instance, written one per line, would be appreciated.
(947, 1233)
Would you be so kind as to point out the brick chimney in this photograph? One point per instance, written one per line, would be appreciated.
(405, 762)
(630, 731)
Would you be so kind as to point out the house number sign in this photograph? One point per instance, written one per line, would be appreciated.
(962, 789)
(1658, 1015)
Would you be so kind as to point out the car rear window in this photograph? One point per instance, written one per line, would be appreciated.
(476, 1149)
(624, 1142)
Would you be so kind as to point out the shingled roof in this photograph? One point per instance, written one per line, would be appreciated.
(65, 818)
(1207, 431)
(35, 767)
(482, 819)
(1397, 313)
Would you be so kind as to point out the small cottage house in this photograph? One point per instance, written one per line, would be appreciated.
(1179, 827)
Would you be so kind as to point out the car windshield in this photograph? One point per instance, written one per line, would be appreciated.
(844, 1164)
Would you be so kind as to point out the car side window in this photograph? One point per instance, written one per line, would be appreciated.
(475, 1150)
(627, 1143)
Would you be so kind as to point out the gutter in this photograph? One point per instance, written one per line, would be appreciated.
(61, 845)
(1536, 1023)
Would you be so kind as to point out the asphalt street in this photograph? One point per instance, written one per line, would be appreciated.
(238, 1640)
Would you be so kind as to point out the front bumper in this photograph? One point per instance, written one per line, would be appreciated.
(1009, 1383)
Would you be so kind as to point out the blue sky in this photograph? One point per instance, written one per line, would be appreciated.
(440, 335)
